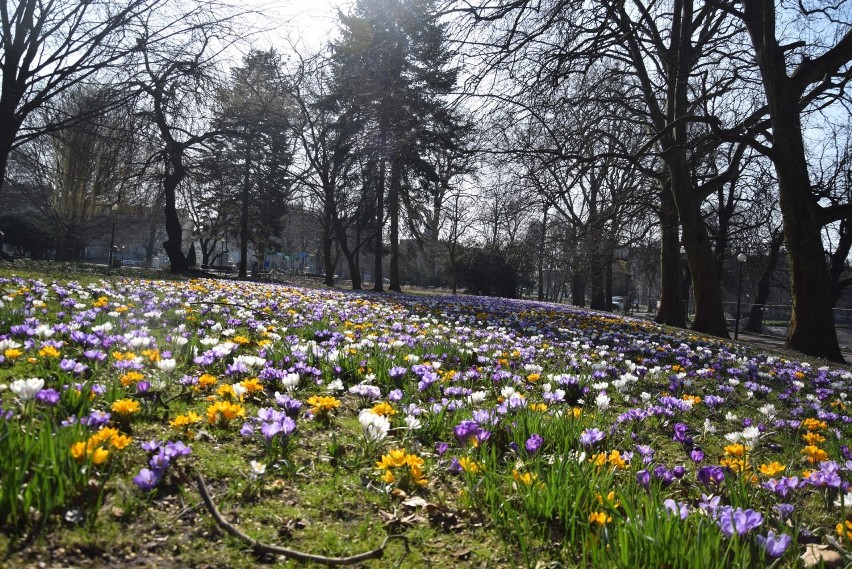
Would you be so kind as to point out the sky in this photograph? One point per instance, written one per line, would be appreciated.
(308, 23)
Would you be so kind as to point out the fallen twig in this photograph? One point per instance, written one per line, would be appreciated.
(377, 553)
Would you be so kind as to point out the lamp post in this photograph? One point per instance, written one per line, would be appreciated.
(741, 259)
(684, 289)
(113, 209)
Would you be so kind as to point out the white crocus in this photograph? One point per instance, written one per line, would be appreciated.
(167, 364)
(602, 401)
(257, 469)
(768, 411)
(26, 389)
(750, 436)
(733, 437)
(844, 501)
(375, 427)
(290, 381)
(412, 423)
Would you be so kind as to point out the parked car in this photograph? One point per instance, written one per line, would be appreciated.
(130, 263)
(618, 304)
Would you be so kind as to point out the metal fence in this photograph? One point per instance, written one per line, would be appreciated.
(779, 314)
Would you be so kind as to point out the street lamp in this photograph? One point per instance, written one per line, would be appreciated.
(113, 209)
(741, 259)
(684, 288)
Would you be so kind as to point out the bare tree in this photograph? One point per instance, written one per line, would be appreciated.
(175, 81)
(806, 74)
(50, 47)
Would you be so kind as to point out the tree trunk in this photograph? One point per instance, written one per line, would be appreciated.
(327, 239)
(670, 311)
(608, 259)
(764, 286)
(709, 310)
(578, 288)
(350, 255)
(837, 263)
(811, 328)
(174, 231)
(9, 124)
(393, 212)
(378, 285)
(812, 323)
(244, 214)
(541, 245)
(596, 278)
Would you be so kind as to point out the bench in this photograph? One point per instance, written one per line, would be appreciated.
(219, 269)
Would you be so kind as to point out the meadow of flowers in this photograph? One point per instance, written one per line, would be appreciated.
(537, 431)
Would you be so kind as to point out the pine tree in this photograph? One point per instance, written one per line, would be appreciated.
(254, 156)
(392, 71)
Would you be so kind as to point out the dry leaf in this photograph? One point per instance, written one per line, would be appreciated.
(816, 553)
(415, 502)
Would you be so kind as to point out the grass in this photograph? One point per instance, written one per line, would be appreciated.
(323, 492)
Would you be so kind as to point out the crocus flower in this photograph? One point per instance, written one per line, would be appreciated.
(711, 475)
(26, 389)
(148, 479)
(533, 443)
(676, 508)
(49, 397)
(737, 521)
(643, 477)
(775, 545)
(590, 437)
(375, 427)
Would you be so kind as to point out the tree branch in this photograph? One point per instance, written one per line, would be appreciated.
(377, 553)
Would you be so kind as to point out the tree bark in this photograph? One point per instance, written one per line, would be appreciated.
(378, 285)
(174, 230)
(764, 286)
(393, 213)
(541, 245)
(837, 262)
(327, 238)
(709, 310)
(811, 328)
(244, 214)
(670, 311)
(578, 288)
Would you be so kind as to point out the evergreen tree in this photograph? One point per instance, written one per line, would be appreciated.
(391, 70)
(255, 154)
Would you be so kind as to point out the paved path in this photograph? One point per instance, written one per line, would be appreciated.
(775, 339)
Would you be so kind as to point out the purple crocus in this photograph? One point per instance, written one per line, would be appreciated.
(708, 504)
(737, 521)
(643, 477)
(533, 443)
(49, 397)
(711, 475)
(590, 437)
(178, 448)
(269, 430)
(781, 486)
(680, 430)
(679, 509)
(247, 430)
(148, 479)
(775, 545)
